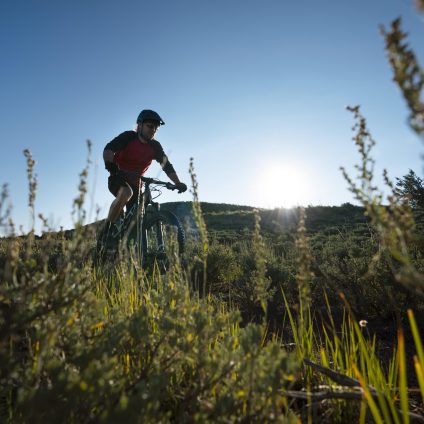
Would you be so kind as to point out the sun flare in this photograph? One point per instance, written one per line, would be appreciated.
(283, 185)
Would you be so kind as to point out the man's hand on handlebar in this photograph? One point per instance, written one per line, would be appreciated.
(114, 170)
(181, 187)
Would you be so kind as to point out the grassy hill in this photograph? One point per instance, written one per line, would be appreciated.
(221, 217)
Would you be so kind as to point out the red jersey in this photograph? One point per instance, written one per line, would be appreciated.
(134, 156)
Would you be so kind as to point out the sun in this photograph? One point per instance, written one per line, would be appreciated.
(282, 185)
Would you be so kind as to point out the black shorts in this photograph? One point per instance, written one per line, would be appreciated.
(116, 181)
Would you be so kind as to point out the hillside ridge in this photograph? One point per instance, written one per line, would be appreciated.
(239, 219)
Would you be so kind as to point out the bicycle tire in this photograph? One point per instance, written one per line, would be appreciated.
(156, 250)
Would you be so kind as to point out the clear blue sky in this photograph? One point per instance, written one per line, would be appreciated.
(254, 91)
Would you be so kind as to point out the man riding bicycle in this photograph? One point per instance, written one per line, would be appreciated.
(127, 157)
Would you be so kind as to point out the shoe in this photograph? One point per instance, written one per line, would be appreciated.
(104, 232)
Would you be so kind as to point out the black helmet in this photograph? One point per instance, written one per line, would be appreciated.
(149, 115)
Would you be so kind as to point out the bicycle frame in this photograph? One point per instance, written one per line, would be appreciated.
(138, 210)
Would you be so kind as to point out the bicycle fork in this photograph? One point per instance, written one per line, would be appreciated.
(159, 231)
(159, 235)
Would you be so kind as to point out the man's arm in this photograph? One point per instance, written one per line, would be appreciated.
(174, 178)
(113, 146)
(167, 166)
(110, 165)
(181, 186)
(108, 155)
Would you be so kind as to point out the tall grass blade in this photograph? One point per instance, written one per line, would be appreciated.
(363, 412)
(419, 359)
(417, 337)
(367, 394)
(420, 375)
(292, 323)
(403, 385)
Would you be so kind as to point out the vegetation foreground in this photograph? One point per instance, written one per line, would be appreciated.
(267, 318)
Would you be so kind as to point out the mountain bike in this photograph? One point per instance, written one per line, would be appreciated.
(145, 231)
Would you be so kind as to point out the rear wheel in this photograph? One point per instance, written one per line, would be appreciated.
(162, 233)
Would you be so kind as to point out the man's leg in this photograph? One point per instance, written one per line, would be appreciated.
(123, 195)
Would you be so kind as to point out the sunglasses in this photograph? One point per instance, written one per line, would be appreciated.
(151, 125)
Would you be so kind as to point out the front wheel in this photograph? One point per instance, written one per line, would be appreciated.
(162, 232)
(106, 246)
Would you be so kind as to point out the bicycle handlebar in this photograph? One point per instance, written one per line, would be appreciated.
(149, 181)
